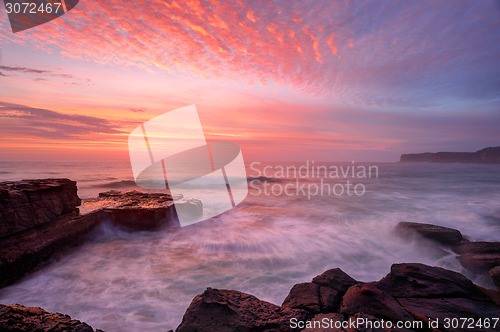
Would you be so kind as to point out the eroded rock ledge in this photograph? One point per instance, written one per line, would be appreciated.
(29, 203)
(410, 292)
(39, 218)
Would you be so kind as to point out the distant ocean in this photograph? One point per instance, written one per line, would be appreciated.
(144, 281)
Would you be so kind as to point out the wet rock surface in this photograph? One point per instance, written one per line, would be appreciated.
(479, 256)
(18, 318)
(23, 252)
(40, 218)
(29, 203)
(140, 211)
(443, 235)
(411, 292)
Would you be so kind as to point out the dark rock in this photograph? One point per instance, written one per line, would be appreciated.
(495, 276)
(317, 324)
(489, 155)
(334, 284)
(22, 252)
(479, 262)
(410, 292)
(492, 294)
(18, 318)
(368, 299)
(428, 309)
(140, 211)
(228, 310)
(323, 294)
(368, 324)
(304, 296)
(49, 221)
(335, 279)
(477, 247)
(478, 256)
(30, 203)
(431, 293)
(444, 235)
(413, 280)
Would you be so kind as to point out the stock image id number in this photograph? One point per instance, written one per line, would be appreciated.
(33, 8)
(470, 323)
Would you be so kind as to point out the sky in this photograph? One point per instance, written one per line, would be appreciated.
(286, 80)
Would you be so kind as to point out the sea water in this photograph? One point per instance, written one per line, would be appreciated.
(122, 280)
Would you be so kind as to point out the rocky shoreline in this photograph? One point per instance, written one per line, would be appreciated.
(39, 218)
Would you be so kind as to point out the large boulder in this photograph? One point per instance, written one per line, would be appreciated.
(18, 318)
(304, 296)
(323, 294)
(432, 309)
(333, 283)
(29, 203)
(480, 247)
(140, 211)
(420, 280)
(443, 235)
(432, 293)
(229, 310)
(479, 262)
(478, 256)
(368, 299)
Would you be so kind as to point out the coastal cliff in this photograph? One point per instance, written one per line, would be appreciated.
(39, 218)
(489, 155)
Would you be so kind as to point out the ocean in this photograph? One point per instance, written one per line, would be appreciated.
(291, 227)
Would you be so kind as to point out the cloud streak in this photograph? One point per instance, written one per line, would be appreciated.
(42, 74)
(43, 123)
(376, 54)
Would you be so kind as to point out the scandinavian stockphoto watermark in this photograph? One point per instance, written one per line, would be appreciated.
(170, 152)
(311, 179)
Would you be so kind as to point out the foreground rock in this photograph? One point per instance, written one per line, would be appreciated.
(489, 155)
(30, 203)
(228, 310)
(18, 318)
(443, 235)
(414, 293)
(40, 218)
(323, 294)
